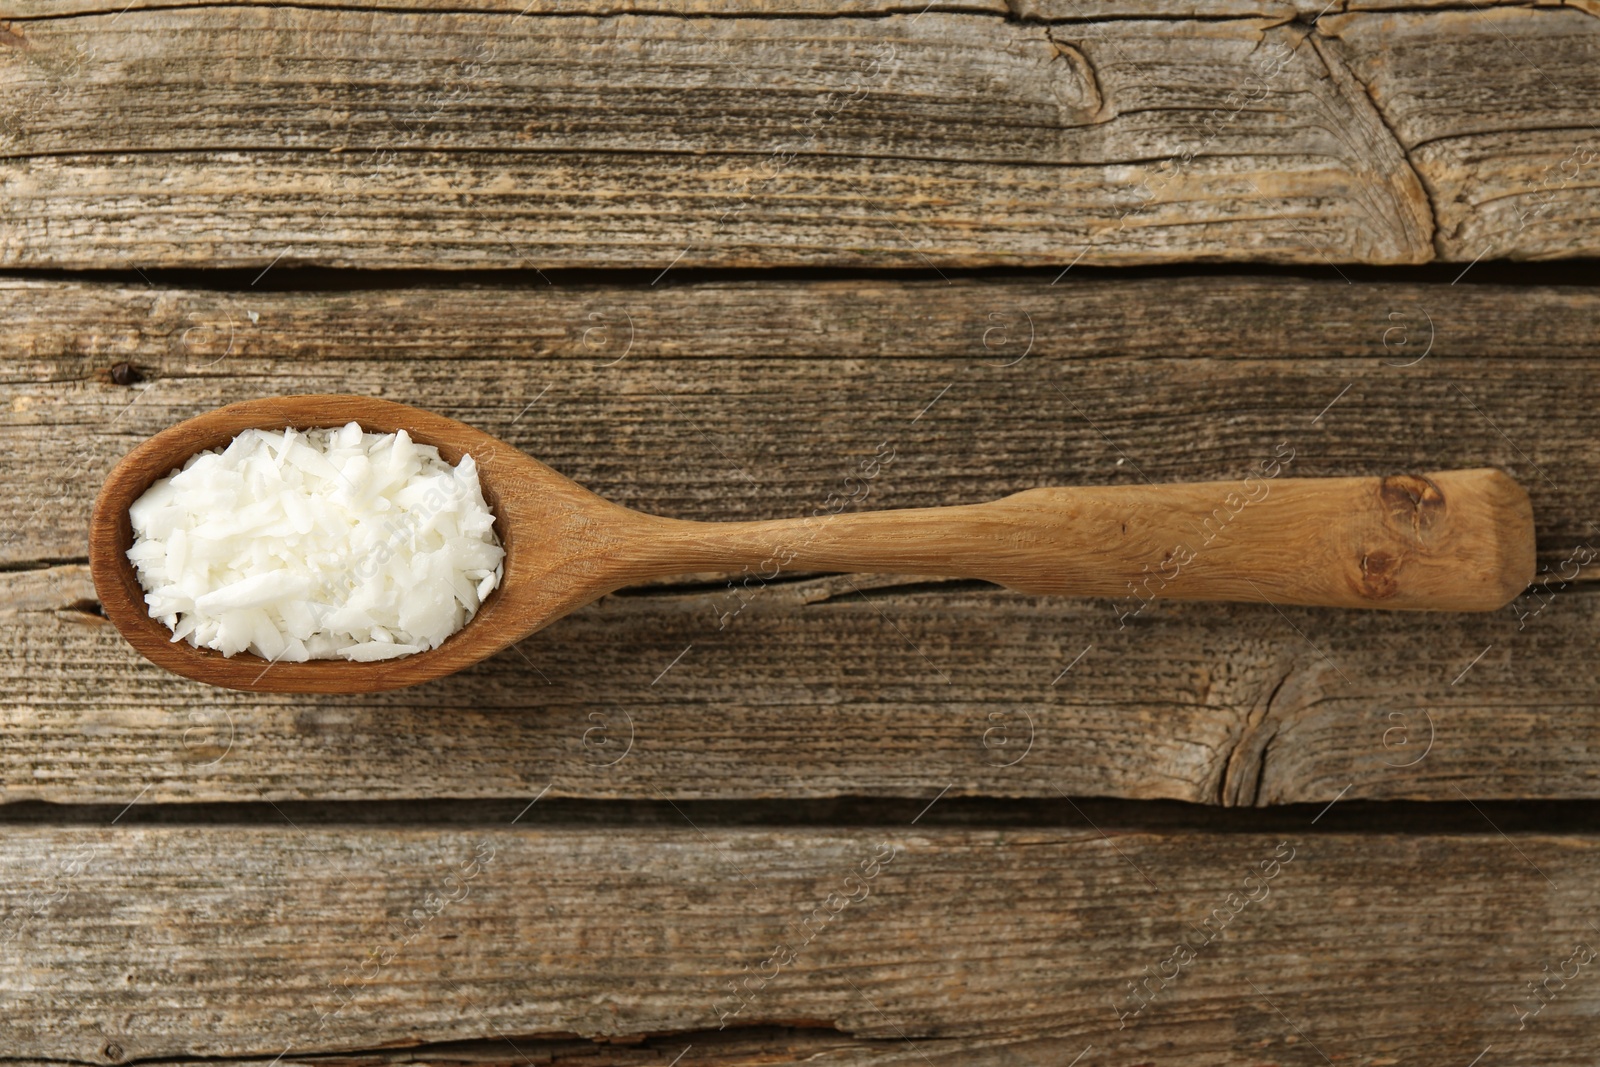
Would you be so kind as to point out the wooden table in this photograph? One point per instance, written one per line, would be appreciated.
(846, 253)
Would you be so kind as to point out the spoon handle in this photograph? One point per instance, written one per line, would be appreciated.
(1451, 540)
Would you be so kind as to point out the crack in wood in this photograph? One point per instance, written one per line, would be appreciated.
(1378, 202)
(1416, 189)
(1246, 761)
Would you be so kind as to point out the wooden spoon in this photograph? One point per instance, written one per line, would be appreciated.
(1452, 540)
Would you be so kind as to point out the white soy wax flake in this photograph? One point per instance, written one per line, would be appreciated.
(318, 544)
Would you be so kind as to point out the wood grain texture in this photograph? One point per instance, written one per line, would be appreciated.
(1511, 161)
(872, 134)
(1442, 541)
(249, 941)
(1021, 10)
(740, 400)
(250, 136)
(1306, 11)
(42, 9)
(605, 133)
(832, 687)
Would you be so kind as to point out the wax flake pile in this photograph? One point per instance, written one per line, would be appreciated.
(317, 544)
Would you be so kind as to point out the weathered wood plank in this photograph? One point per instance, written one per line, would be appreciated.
(755, 400)
(815, 691)
(41, 9)
(1021, 10)
(249, 136)
(1123, 140)
(250, 941)
(1498, 110)
(684, 401)
(740, 1047)
(1308, 11)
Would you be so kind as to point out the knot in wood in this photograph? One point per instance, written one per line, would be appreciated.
(125, 373)
(1413, 502)
(1380, 575)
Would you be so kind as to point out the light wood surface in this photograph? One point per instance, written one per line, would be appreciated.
(1444, 541)
(922, 140)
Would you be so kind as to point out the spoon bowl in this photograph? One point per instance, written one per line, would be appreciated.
(1457, 540)
(555, 533)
